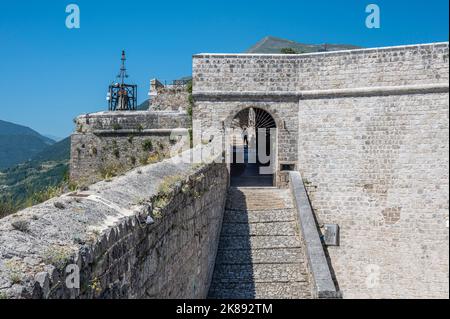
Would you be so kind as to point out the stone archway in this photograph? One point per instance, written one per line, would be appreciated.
(252, 141)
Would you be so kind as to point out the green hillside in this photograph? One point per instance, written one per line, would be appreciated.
(32, 181)
(275, 45)
(143, 106)
(19, 143)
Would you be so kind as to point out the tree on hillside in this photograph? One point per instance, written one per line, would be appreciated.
(288, 51)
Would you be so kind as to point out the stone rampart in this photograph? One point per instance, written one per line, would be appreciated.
(151, 233)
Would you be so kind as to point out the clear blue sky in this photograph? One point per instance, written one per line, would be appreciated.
(49, 74)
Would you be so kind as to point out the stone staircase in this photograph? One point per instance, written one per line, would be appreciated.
(260, 253)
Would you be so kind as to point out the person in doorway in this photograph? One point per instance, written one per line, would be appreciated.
(245, 136)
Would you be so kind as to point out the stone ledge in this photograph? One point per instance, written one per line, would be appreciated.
(303, 55)
(321, 275)
(319, 94)
(181, 131)
(135, 121)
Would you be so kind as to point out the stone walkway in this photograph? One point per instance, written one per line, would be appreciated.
(260, 253)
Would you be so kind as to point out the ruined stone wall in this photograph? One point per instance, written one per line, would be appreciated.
(109, 143)
(370, 129)
(106, 232)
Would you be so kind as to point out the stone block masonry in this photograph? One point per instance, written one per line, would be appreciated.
(272, 73)
(378, 167)
(368, 130)
(323, 285)
(104, 231)
(109, 143)
(168, 97)
(261, 254)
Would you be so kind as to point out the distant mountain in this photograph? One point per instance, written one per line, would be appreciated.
(19, 143)
(53, 137)
(57, 152)
(143, 106)
(274, 45)
(20, 184)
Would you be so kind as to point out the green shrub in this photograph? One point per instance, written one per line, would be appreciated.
(288, 51)
(7, 208)
(80, 128)
(147, 145)
(57, 256)
(169, 183)
(15, 270)
(109, 171)
(116, 153)
(189, 86)
(44, 195)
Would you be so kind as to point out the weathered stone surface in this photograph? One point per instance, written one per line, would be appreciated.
(168, 97)
(321, 275)
(368, 130)
(261, 216)
(260, 290)
(109, 143)
(103, 231)
(402, 65)
(262, 242)
(255, 258)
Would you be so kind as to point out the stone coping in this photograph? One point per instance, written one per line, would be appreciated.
(303, 55)
(180, 131)
(324, 286)
(329, 93)
(107, 114)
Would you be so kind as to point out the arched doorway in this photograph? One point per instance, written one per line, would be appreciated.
(253, 139)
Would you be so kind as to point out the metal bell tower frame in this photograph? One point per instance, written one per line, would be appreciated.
(122, 96)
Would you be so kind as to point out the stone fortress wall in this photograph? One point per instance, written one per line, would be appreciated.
(152, 233)
(109, 143)
(368, 130)
(172, 97)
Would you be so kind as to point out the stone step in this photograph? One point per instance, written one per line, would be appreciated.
(266, 290)
(260, 229)
(251, 273)
(257, 256)
(258, 198)
(262, 216)
(260, 252)
(258, 242)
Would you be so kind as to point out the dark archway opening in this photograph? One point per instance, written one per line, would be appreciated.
(253, 146)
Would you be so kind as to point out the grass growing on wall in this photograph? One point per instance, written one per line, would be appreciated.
(7, 208)
(190, 110)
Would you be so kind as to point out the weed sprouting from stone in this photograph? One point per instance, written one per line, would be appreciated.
(14, 269)
(57, 256)
(109, 171)
(21, 225)
(147, 145)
